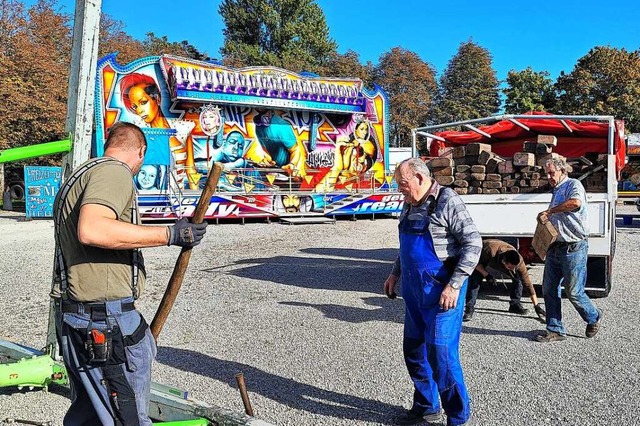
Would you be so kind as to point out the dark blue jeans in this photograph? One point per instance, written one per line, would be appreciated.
(515, 292)
(566, 265)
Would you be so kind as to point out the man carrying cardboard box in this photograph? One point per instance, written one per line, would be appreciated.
(566, 259)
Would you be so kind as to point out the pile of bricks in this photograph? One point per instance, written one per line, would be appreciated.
(474, 169)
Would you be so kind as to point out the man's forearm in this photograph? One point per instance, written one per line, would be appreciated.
(113, 234)
(482, 270)
(570, 205)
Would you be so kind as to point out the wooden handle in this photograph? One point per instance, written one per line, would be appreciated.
(175, 282)
(248, 409)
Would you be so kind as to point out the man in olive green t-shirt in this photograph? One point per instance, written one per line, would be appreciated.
(106, 344)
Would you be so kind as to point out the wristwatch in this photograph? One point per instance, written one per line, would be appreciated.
(454, 285)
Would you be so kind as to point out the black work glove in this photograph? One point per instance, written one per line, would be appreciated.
(186, 234)
(490, 279)
(542, 315)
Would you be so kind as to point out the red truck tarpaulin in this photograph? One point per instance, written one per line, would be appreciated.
(507, 137)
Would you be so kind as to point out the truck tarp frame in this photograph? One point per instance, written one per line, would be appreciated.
(578, 133)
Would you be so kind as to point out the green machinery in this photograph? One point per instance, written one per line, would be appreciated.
(24, 367)
(38, 150)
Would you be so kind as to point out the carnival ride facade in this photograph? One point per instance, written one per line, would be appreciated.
(291, 144)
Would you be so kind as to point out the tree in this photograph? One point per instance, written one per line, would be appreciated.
(291, 34)
(348, 65)
(162, 46)
(114, 39)
(411, 85)
(528, 90)
(468, 87)
(606, 81)
(34, 59)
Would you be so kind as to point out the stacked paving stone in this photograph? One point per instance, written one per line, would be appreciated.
(474, 169)
(591, 170)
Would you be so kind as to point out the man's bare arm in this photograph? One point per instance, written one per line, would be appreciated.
(98, 227)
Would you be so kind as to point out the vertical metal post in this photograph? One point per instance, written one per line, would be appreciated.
(313, 129)
(414, 149)
(79, 122)
(82, 82)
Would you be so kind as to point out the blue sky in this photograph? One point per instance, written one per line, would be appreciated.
(549, 36)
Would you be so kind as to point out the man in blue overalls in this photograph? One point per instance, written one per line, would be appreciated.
(439, 249)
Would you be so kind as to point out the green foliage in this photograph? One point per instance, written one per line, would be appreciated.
(34, 57)
(348, 65)
(468, 87)
(113, 38)
(291, 34)
(528, 90)
(411, 86)
(162, 46)
(606, 81)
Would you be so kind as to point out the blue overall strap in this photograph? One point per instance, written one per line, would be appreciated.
(61, 268)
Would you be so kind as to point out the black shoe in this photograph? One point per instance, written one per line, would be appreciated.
(517, 308)
(413, 418)
(592, 329)
(542, 315)
(468, 314)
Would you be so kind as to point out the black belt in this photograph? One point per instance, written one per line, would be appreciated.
(562, 244)
(90, 308)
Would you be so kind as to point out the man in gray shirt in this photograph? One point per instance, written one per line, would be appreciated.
(566, 261)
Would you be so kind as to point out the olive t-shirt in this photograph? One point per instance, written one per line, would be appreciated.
(98, 274)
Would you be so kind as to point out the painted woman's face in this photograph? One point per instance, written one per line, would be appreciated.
(147, 177)
(361, 130)
(142, 104)
(211, 121)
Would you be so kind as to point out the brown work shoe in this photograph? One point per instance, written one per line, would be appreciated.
(550, 336)
(592, 329)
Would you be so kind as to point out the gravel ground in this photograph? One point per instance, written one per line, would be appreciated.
(299, 310)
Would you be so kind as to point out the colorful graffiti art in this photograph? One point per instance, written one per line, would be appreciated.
(273, 130)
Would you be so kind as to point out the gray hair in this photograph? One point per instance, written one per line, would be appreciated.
(558, 163)
(416, 165)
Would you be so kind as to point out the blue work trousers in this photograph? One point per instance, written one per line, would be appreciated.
(431, 335)
(116, 392)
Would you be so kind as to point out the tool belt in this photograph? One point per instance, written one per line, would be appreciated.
(97, 310)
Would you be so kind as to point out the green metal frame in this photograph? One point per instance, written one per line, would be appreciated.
(38, 150)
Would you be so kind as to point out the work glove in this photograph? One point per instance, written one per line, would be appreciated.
(186, 234)
(490, 279)
(542, 315)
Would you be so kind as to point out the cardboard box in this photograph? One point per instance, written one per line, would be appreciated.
(544, 236)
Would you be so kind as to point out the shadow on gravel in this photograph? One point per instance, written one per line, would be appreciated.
(328, 274)
(528, 335)
(53, 388)
(388, 255)
(388, 310)
(293, 394)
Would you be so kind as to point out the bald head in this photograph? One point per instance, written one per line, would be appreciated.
(126, 137)
(127, 143)
(414, 180)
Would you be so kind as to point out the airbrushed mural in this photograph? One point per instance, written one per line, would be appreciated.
(288, 142)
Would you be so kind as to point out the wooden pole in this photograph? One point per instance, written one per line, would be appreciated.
(82, 83)
(175, 282)
(244, 394)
